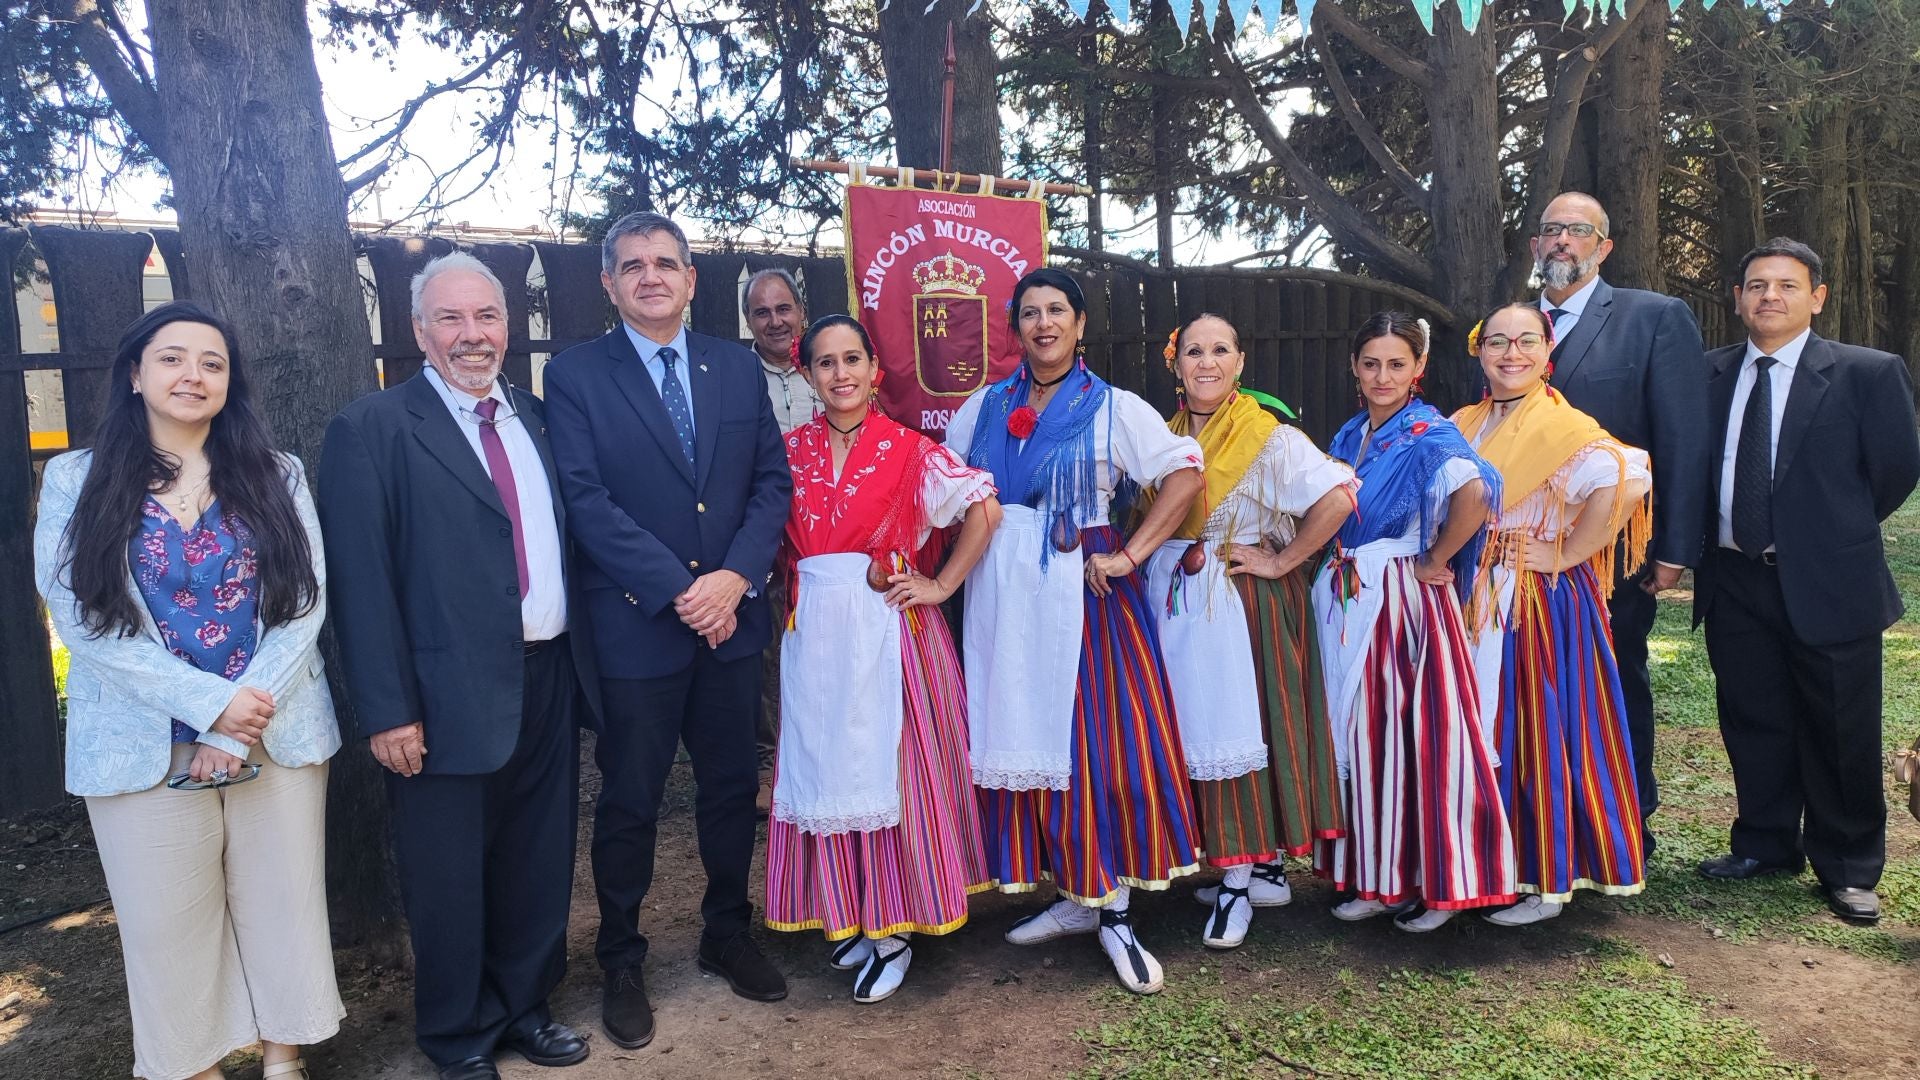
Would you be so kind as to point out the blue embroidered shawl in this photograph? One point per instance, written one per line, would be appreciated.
(1055, 466)
(1396, 481)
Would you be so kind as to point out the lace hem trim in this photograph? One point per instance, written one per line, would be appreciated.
(822, 821)
(1229, 763)
(1022, 779)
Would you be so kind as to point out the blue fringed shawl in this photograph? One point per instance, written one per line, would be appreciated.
(1396, 482)
(1055, 467)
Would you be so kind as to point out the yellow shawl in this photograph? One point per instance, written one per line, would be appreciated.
(1534, 445)
(1229, 444)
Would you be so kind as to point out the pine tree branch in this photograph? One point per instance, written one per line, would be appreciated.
(1368, 135)
(1339, 217)
(1329, 16)
(133, 98)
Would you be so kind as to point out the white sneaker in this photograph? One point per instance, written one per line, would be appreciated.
(1232, 913)
(1422, 920)
(1138, 970)
(885, 970)
(852, 953)
(1062, 918)
(1269, 888)
(1357, 909)
(1530, 910)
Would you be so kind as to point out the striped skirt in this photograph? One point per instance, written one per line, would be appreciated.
(1423, 801)
(914, 876)
(1566, 762)
(1295, 800)
(1126, 817)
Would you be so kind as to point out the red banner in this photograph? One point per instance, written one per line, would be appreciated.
(931, 274)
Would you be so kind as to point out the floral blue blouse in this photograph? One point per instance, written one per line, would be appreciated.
(199, 583)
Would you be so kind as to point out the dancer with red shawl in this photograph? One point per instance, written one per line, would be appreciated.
(875, 834)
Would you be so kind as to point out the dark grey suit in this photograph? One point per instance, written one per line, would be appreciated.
(1633, 361)
(1796, 641)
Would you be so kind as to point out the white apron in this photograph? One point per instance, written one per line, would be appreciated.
(1208, 653)
(1023, 629)
(841, 703)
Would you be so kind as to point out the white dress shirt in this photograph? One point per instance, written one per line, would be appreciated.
(543, 610)
(1574, 306)
(649, 351)
(1781, 373)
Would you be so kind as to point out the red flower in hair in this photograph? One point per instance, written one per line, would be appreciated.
(1021, 423)
(793, 354)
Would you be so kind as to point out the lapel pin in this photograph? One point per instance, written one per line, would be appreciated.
(703, 367)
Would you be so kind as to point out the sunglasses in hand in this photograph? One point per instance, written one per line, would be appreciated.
(219, 779)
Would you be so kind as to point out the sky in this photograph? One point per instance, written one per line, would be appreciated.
(361, 90)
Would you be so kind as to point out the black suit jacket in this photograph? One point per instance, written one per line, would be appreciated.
(425, 599)
(1633, 362)
(1847, 457)
(647, 522)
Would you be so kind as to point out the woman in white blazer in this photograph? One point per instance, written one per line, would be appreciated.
(181, 563)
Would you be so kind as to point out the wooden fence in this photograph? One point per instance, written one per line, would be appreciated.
(1294, 334)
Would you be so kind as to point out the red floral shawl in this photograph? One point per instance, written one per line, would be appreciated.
(876, 507)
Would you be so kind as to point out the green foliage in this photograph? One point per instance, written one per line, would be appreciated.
(54, 121)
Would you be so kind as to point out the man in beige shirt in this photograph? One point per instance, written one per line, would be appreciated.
(777, 316)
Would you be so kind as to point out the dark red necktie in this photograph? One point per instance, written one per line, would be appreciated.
(502, 470)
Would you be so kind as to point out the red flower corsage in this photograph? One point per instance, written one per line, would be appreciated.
(793, 354)
(1419, 427)
(1021, 422)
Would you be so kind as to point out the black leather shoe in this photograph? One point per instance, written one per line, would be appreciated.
(1732, 867)
(478, 1067)
(1860, 904)
(552, 1044)
(625, 1013)
(737, 959)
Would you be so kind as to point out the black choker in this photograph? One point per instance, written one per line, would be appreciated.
(845, 431)
(1508, 400)
(1202, 415)
(1038, 385)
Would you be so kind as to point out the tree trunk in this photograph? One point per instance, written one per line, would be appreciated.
(913, 48)
(1629, 128)
(1469, 245)
(1903, 295)
(1092, 135)
(1824, 222)
(263, 217)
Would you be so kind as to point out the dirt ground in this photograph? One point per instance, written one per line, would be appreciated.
(972, 1006)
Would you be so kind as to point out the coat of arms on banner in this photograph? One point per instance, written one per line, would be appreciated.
(950, 345)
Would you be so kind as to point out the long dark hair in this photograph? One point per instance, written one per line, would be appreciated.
(247, 476)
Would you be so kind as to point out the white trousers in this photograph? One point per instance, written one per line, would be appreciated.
(221, 900)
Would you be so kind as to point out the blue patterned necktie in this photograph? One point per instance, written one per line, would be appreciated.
(676, 398)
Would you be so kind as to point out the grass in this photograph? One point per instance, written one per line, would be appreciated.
(1616, 1016)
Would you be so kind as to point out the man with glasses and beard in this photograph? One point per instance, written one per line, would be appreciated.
(1633, 361)
(457, 611)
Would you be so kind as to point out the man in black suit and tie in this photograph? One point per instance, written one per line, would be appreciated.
(677, 491)
(465, 661)
(1632, 360)
(1816, 447)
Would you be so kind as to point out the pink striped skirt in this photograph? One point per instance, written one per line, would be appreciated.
(914, 876)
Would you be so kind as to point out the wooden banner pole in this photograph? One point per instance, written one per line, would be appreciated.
(950, 180)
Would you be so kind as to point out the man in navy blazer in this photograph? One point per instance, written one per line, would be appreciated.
(1633, 361)
(677, 490)
(1814, 446)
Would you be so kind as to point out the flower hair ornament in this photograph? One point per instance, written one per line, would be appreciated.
(793, 354)
(1473, 336)
(1172, 349)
